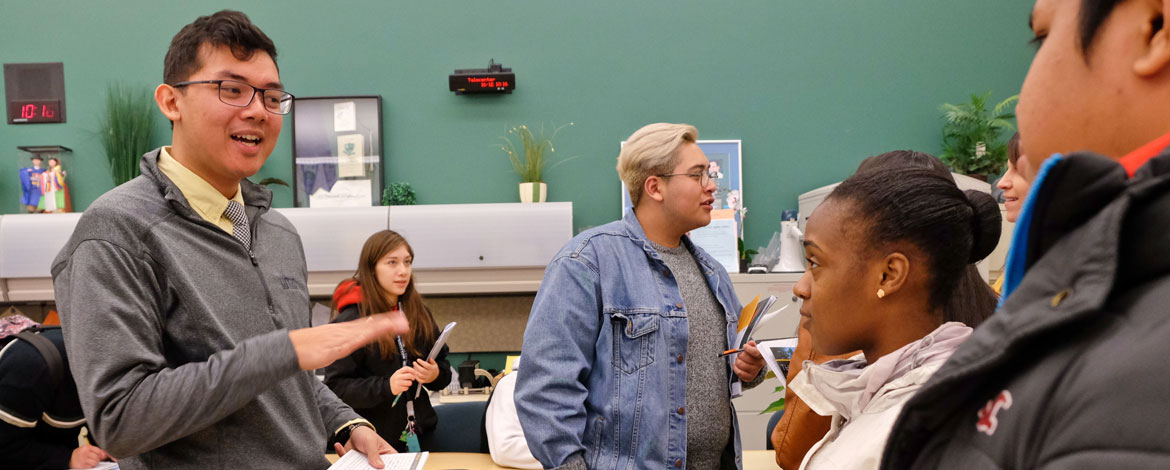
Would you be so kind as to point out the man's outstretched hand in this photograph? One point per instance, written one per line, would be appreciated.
(319, 346)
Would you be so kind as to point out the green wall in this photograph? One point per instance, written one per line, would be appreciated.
(810, 87)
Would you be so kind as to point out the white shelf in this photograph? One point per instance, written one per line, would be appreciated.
(459, 248)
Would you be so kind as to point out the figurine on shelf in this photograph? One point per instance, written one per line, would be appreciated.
(54, 192)
(30, 183)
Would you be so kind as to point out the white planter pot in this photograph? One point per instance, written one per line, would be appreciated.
(529, 192)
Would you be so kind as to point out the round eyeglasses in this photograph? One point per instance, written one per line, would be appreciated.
(235, 93)
(703, 177)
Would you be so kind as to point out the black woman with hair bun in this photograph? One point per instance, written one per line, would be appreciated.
(886, 252)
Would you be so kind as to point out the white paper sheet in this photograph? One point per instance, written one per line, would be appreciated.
(355, 460)
(105, 466)
(718, 239)
(350, 155)
(777, 347)
(345, 193)
(437, 347)
(345, 116)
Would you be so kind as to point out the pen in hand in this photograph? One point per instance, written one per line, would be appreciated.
(730, 351)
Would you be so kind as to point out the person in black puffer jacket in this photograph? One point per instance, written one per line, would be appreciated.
(370, 378)
(1071, 372)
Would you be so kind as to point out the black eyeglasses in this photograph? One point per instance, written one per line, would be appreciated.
(702, 177)
(235, 93)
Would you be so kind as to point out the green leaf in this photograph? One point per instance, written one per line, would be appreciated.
(999, 108)
(528, 156)
(125, 129)
(398, 194)
(774, 407)
(968, 124)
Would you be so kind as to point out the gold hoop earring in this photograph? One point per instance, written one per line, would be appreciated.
(881, 293)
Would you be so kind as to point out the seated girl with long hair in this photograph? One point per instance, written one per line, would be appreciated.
(371, 378)
(886, 251)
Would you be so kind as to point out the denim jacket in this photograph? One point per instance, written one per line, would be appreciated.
(604, 354)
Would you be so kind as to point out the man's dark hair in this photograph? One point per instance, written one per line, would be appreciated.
(225, 28)
(919, 206)
(36, 157)
(1093, 15)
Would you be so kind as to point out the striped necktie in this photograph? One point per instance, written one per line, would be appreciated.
(235, 213)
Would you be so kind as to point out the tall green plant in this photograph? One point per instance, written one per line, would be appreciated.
(528, 156)
(973, 136)
(126, 129)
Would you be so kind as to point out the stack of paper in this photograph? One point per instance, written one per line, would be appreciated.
(752, 317)
(354, 460)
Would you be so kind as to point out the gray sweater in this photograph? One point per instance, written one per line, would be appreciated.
(708, 405)
(178, 336)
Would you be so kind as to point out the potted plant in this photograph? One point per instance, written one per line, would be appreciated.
(974, 143)
(125, 129)
(745, 255)
(529, 158)
(398, 194)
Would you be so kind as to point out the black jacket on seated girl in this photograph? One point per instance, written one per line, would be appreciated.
(362, 379)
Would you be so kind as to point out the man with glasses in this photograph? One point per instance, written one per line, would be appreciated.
(183, 296)
(622, 363)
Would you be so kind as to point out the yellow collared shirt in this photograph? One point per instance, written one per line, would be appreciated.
(201, 195)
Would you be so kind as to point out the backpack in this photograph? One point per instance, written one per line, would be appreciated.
(47, 349)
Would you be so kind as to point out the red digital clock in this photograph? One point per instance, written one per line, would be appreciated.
(29, 112)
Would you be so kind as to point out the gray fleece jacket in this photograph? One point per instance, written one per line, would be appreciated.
(178, 335)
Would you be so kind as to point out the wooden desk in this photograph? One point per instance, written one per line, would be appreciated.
(759, 459)
(752, 459)
(451, 460)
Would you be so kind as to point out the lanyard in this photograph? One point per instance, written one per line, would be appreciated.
(409, 434)
(405, 363)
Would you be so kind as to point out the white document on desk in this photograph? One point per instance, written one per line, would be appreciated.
(105, 466)
(354, 460)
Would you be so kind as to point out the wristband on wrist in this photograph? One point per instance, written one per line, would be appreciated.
(343, 433)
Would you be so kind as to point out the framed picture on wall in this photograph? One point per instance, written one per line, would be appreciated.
(719, 238)
(337, 151)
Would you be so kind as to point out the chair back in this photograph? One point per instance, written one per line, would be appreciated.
(772, 425)
(459, 427)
